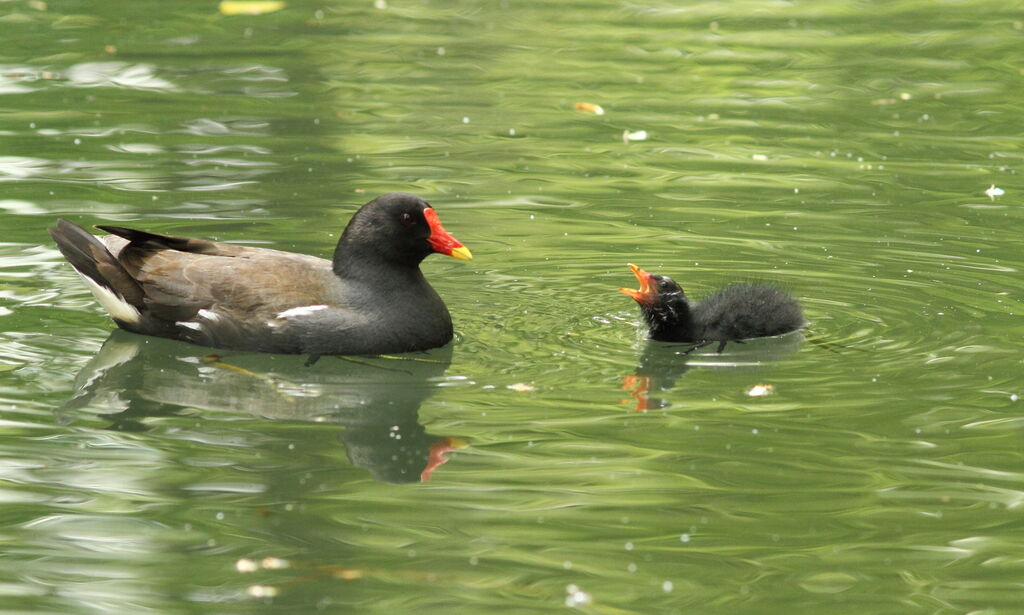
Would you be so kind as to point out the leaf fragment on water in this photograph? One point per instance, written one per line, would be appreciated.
(638, 135)
(250, 7)
(521, 387)
(585, 107)
(760, 390)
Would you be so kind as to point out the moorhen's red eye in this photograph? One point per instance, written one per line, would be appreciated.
(406, 219)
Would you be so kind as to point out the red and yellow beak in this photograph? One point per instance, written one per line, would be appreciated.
(441, 241)
(646, 291)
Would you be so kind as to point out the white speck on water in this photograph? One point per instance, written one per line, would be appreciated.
(684, 538)
(910, 271)
(795, 191)
(219, 516)
(993, 192)
(474, 560)
(574, 596)
(666, 587)
(754, 431)
(1014, 397)
(511, 132)
(78, 141)
(465, 120)
(567, 565)
(629, 546)
(441, 51)
(631, 567)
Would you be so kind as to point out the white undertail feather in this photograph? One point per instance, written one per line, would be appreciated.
(113, 303)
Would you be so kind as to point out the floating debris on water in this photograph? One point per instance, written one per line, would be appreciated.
(585, 107)
(262, 591)
(250, 7)
(993, 192)
(759, 390)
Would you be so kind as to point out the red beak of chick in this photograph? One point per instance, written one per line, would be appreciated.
(441, 241)
(646, 293)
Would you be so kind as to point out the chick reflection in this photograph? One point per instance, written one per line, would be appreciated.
(659, 368)
(376, 399)
(662, 364)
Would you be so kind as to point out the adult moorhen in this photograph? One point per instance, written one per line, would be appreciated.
(371, 298)
(735, 313)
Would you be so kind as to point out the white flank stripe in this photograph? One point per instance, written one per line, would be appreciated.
(208, 315)
(304, 310)
(191, 325)
(113, 303)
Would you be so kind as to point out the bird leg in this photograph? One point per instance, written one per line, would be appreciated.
(700, 345)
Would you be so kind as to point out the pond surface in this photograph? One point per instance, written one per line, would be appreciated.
(866, 156)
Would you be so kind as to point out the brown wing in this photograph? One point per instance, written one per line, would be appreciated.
(180, 276)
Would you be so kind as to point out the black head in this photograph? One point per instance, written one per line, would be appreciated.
(661, 299)
(398, 228)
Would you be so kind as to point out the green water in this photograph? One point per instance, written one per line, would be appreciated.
(841, 150)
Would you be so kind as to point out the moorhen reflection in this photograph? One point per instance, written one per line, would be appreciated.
(376, 399)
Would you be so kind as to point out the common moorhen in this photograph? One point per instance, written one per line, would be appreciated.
(735, 313)
(371, 299)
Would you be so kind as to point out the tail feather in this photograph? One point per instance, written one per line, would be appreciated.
(116, 290)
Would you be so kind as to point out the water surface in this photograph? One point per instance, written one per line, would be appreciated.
(864, 156)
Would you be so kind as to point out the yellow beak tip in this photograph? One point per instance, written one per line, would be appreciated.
(462, 253)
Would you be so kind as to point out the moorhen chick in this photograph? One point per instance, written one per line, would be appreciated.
(371, 298)
(735, 313)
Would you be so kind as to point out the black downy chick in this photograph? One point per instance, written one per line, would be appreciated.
(735, 313)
